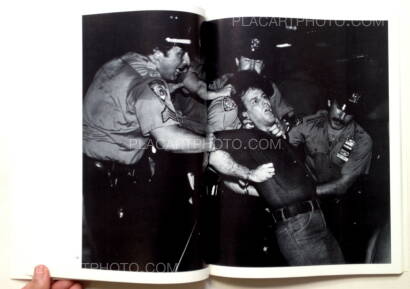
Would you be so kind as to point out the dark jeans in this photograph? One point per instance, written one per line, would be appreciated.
(305, 240)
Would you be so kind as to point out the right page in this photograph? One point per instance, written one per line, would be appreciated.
(303, 180)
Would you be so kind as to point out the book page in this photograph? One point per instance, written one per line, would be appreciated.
(311, 63)
(128, 203)
(66, 218)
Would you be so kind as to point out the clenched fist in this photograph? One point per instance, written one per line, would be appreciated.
(262, 173)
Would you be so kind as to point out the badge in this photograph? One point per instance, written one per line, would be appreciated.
(255, 44)
(159, 88)
(229, 104)
(346, 149)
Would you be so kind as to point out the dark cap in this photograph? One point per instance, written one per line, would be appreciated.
(351, 103)
(167, 29)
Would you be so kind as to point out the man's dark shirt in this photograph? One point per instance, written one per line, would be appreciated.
(252, 148)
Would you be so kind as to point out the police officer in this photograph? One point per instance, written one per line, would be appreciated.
(127, 111)
(223, 112)
(338, 152)
(338, 149)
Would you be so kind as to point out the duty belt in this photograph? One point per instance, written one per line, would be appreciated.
(285, 213)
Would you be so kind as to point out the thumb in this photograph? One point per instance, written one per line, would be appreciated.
(41, 278)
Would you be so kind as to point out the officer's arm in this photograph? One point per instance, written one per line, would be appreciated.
(223, 162)
(337, 187)
(176, 139)
(195, 85)
(357, 165)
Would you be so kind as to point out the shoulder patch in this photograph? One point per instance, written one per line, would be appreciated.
(229, 104)
(159, 88)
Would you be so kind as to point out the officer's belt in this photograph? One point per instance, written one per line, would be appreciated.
(285, 213)
(116, 167)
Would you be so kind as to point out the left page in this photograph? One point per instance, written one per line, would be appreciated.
(135, 215)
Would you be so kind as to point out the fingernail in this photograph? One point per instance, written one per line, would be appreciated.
(40, 270)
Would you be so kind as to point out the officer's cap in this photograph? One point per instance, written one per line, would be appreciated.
(251, 48)
(171, 29)
(350, 102)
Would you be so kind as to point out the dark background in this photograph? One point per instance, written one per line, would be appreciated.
(110, 35)
(334, 57)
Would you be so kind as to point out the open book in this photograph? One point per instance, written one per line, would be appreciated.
(245, 147)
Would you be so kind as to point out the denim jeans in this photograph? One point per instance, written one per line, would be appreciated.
(305, 240)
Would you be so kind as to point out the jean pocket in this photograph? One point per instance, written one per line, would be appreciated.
(314, 226)
(299, 222)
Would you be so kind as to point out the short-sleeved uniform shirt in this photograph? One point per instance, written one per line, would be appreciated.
(126, 100)
(223, 112)
(349, 154)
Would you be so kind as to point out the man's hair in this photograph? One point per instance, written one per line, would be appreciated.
(244, 80)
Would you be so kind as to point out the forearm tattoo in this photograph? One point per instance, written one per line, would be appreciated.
(225, 164)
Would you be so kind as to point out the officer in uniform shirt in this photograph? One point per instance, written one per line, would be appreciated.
(223, 113)
(289, 191)
(338, 151)
(128, 104)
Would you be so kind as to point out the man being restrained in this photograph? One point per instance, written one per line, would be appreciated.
(300, 228)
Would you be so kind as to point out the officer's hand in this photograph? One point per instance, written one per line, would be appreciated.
(192, 82)
(210, 142)
(247, 123)
(42, 280)
(174, 86)
(262, 173)
(278, 130)
(227, 90)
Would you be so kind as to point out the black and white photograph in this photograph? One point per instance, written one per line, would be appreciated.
(244, 142)
(144, 124)
(300, 174)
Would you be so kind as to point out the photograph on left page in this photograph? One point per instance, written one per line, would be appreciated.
(144, 120)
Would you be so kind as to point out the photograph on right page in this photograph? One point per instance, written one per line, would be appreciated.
(300, 175)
